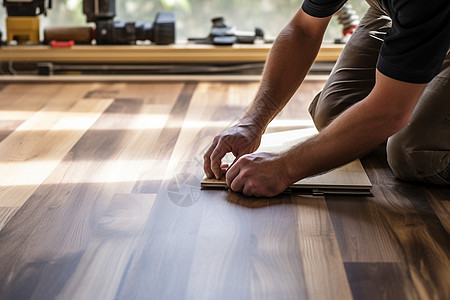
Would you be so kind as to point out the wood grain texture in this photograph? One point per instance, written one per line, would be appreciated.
(6, 213)
(380, 281)
(361, 232)
(110, 249)
(324, 271)
(120, 213)
(37, 146)
(348, 179)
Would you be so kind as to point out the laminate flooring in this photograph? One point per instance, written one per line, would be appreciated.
(100, 199)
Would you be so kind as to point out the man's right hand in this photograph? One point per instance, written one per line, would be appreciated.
(240, 139)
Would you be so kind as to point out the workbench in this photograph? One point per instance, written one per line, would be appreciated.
(179, 53)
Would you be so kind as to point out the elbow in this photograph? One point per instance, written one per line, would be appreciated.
(397, 121)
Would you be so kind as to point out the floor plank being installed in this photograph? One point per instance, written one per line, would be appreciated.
(100, 199)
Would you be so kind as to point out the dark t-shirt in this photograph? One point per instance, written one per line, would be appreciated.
(415, 47)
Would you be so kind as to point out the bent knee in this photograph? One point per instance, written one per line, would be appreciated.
(414, 164)
(323, 111)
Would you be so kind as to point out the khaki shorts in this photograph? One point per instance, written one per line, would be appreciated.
(419, 152)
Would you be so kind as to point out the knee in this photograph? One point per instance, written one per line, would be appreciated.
(416, 164)
(322, 111)
(336, 97)
(399, 158)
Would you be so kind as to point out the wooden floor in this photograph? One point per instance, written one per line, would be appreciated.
(100, 199)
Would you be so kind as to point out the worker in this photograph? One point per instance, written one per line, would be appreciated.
(391, 82)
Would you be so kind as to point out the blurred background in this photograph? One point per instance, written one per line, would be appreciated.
(193, 17)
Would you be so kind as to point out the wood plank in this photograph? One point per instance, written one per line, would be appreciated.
(6, 213)
(66, 195)
(30, 154)
(412, 222)
(91, 229)
(164, 146)
(7, 127)
(424, 241)
(439, 199)
(348, 179)
(100, 269)
(221, 264)
(380, 281)
(278, 271)
(170, 275)
(107, 160)
(323, 267)
(27, 97)
(361, 231)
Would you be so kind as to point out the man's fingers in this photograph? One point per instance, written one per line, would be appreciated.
(231, 174)
(207, 160)
(237, 184)
(216, 159)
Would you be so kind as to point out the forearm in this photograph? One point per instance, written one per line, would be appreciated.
(353, 134)
(356, 131)
(288, 62)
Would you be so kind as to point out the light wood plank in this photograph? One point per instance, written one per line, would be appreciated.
(348, 179)
(323, 268)
(278, 271)
(31, 153)
(221, 263)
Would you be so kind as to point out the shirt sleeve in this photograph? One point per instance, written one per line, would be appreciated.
(416, 45)
(322, 8)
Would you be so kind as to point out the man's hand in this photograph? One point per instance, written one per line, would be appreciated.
(258, 174)
(240, 139)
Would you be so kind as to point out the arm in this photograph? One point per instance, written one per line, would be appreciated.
(288, 62)
(385, 111)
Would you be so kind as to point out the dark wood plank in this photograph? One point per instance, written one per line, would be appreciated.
(439, 199)
(380, 281)
(407, 210)
(360, 230)
(424, 242)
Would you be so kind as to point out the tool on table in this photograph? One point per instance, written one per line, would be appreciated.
(108, 31)
(222, 34)
(22, 23)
